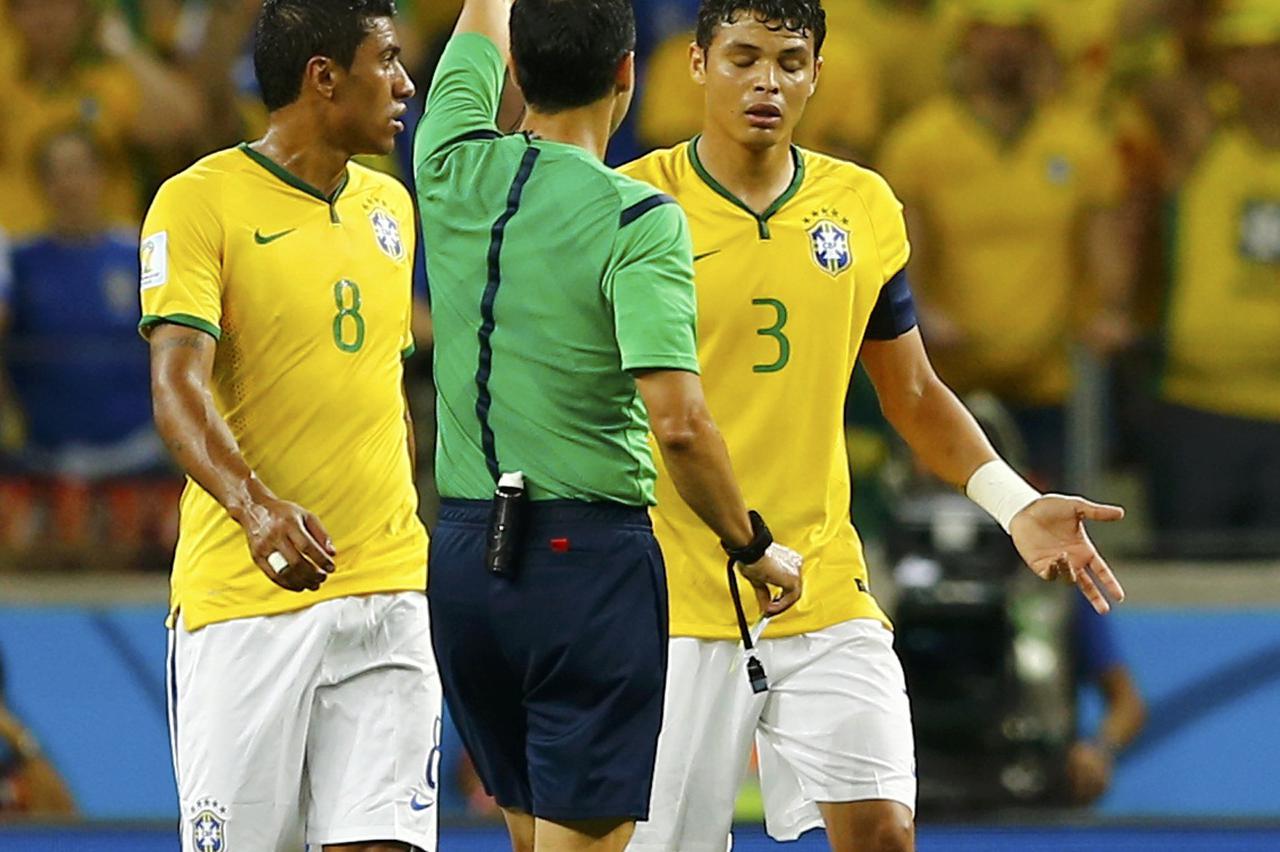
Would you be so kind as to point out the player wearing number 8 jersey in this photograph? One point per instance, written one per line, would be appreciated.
(800, 270)
(276, 296)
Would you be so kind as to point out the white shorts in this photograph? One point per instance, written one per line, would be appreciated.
(317, 726)
(834, 726)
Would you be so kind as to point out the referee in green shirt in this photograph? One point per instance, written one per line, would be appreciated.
(564, 311)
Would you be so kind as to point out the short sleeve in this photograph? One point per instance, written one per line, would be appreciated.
(890, 228)
(464, 97)
(180, 257)
(649, 285)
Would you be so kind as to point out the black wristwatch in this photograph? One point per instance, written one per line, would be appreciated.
(754, 550)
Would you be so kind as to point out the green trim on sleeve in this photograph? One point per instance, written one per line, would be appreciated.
(151, 320)
(408, 351)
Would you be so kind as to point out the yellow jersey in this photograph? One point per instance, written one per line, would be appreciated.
(1004, 225)
(842, 116)
(1222, 321)
(309, 299)
(101, 98)
(784, 299)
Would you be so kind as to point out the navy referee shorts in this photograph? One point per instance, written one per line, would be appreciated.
(555, 678)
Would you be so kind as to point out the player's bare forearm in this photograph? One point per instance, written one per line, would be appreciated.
(490, 18)
(694, 452)
(288, 543)
(924, 411)
(195, 433)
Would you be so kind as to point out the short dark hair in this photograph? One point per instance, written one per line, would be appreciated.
(802, 17)
(291, 32)
(566, 52)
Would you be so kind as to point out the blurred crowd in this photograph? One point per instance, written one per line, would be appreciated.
(1088, 184)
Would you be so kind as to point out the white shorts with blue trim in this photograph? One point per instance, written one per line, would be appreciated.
(834, 726)
(320, 726)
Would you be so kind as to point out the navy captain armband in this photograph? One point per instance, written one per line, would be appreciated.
(895, 311)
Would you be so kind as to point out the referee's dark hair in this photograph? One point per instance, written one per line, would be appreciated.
(802, 17)
(291, 32)
(566, 52)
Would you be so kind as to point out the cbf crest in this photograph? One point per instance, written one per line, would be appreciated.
(209, 826)
(386, 230)
(829, 241)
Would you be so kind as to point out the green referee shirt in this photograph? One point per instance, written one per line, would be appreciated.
(552, 279)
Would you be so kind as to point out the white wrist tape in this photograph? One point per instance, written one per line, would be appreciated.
(999, 489)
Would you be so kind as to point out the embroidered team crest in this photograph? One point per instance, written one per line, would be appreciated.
(1260, 231)
(386, 230)
(829, 245)
(209, 826)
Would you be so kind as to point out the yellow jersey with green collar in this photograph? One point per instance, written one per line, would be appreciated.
(309, 298)
(784, 301)
(1222, 322)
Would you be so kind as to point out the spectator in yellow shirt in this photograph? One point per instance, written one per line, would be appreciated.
(80, 68)
(1215, 454)
(1010, 198)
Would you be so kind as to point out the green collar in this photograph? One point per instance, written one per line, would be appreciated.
(293, 180)
(762, 219)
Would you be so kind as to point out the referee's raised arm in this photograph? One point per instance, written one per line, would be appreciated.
(488, 18)
(467, 86)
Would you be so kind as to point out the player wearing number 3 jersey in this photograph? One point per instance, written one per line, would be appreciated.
(276, 296)
(800, 270)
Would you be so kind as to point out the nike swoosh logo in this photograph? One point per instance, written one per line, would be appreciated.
(698, 257)
(419, 805)
(262, 239)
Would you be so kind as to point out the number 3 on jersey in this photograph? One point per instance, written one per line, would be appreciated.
(346, 295)
(774, 331)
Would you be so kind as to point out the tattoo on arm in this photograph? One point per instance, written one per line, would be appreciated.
(195, 340)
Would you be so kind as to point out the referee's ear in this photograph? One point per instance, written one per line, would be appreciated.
(624, 81)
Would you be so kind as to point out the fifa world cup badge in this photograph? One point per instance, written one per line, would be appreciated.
(209, 826)
(829, 247)
(386, 230)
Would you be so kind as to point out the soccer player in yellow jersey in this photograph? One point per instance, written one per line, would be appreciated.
(275, 276)
(799, 270)
(1215, 483)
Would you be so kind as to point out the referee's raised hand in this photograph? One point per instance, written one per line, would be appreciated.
(772, 571)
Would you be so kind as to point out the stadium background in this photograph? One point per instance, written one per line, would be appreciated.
(101, 101)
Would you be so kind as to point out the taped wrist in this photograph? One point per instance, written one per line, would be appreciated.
(999, 490)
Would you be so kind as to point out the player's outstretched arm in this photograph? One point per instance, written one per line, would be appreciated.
(698, 462)
(1048, 530)
(203, 446)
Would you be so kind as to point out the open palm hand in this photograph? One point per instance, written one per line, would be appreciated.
(1050, 536)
